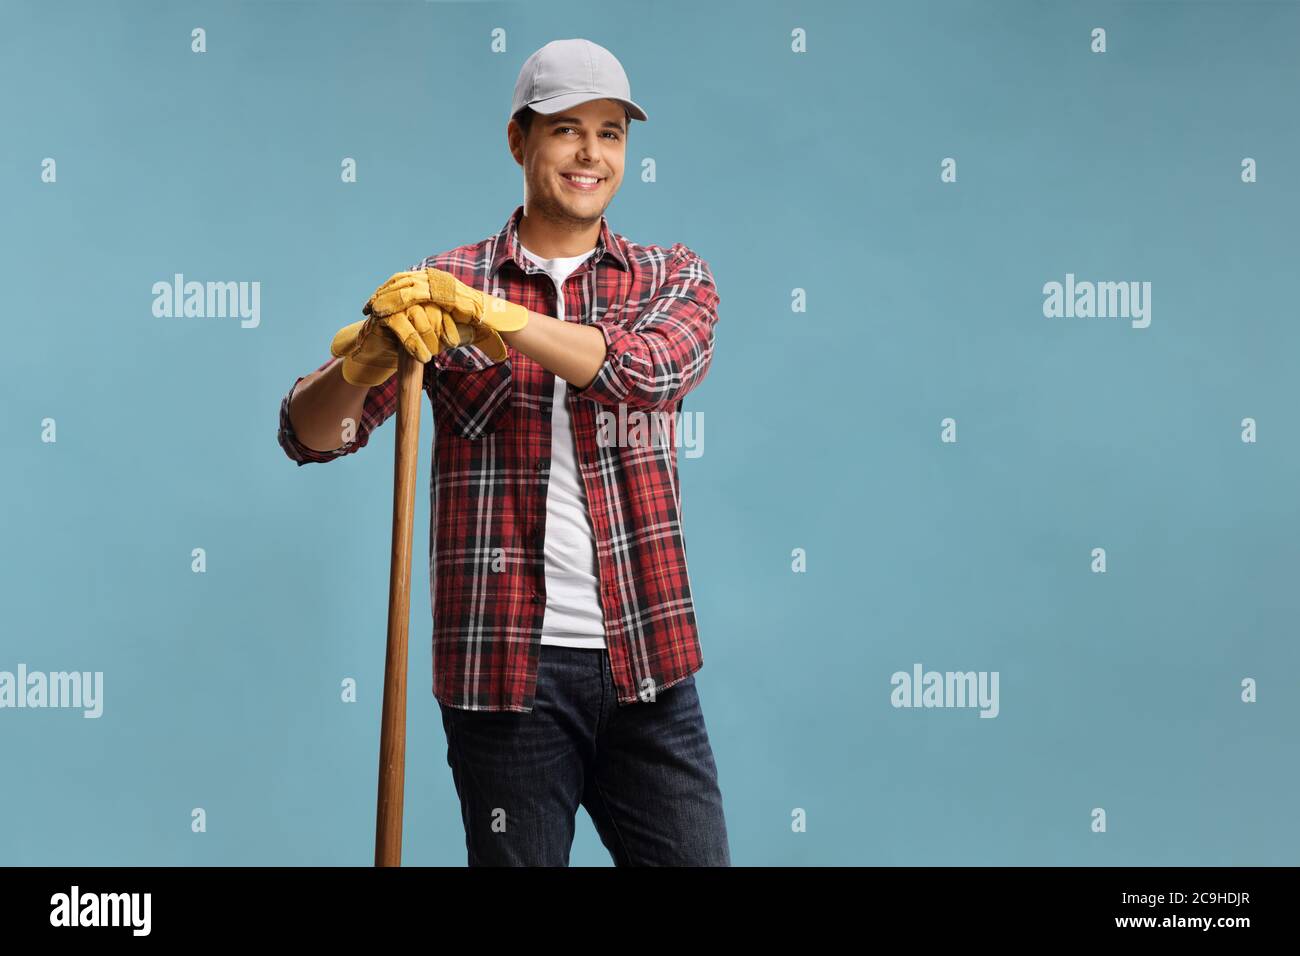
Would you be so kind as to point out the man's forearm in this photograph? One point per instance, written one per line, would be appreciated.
(573, 352)
(324, 401)
(322, 404)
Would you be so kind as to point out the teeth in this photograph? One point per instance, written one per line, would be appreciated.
(582, 179)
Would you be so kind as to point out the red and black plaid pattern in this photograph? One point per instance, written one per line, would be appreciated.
(657, 309)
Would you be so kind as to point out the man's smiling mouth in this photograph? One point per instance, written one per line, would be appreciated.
(582, 180)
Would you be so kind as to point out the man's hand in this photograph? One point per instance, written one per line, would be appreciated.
(446, 292)
(369, 348)
(456, 333)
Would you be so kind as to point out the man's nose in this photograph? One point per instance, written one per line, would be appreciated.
(589, 148)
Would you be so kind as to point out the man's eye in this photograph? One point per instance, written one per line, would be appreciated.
(609, 132)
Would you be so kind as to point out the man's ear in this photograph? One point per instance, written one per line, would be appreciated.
(515, 141)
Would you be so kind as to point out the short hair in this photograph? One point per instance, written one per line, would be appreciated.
(526, 116)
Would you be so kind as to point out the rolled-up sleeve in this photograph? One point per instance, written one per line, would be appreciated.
(667, 349)
(380, 403)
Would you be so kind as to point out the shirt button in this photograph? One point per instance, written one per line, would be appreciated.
(541, 464)
(537, 598)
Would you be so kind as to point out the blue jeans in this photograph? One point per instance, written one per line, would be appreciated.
(643, 771)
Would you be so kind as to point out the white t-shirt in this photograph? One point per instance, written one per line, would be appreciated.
(573, 615)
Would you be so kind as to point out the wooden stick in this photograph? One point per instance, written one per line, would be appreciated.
(392, 731)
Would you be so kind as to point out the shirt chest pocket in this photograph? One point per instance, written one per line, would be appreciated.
(471, 395)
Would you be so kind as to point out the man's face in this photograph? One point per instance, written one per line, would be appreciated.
(587, 140)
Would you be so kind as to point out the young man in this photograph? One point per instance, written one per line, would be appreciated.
(565, 639)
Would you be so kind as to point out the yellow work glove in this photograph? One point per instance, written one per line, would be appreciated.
(448, 293)
(369, 348)
(455, 334)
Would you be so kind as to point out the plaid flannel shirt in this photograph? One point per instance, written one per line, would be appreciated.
(656, 309)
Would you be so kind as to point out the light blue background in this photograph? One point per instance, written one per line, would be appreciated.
(818, 171)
